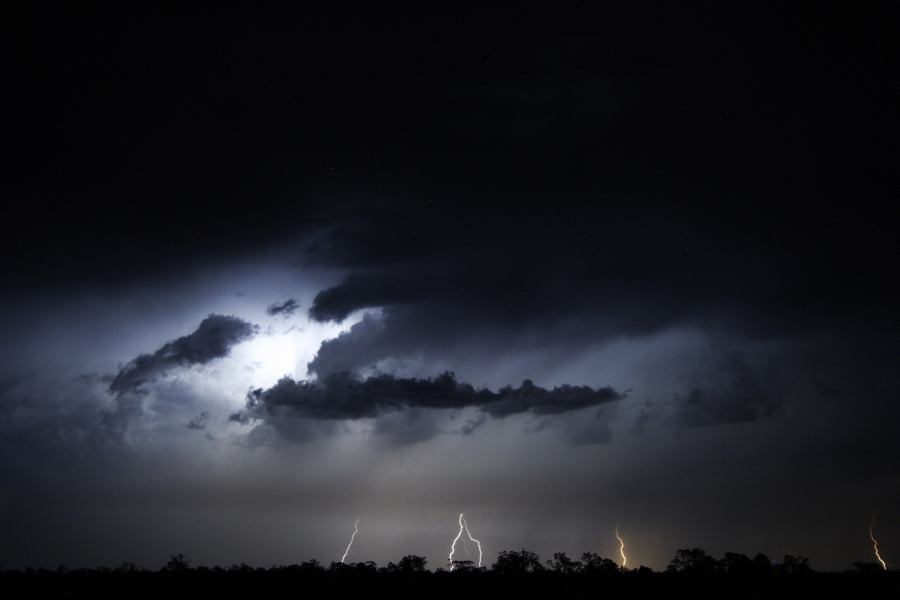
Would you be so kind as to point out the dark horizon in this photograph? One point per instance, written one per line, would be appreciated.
(686, 562)
(265, 274)
(522, 573)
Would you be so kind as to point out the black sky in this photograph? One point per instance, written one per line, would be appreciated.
(674, 223)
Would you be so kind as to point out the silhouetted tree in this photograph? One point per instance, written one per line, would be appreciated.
(868, 568)
(338, 567)
(358, 568)
(464, 566)
(762, 564)
(693, 561)
(594, 563)
(510, 561)
(391, 567)
(127, 567)
(793, 565)
(178, 562)
(736, 564)
(310, 566)
(560, 563)
(365, 567)
(412, 564)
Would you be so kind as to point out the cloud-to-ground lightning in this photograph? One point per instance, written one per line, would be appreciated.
(477, 543)
(463, 526)
(456, 539)
(352, 537)
(875, 545)
(621, 547)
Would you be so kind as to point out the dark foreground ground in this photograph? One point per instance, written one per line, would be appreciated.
(259, 583)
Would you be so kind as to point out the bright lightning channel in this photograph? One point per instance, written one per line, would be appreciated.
(352, 537)
(621, 547)
(875, 545)
(477, 543)
(463, 526)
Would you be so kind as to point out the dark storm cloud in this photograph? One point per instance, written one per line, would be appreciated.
(346, 396)
(731, 393)
(644, 418)
(363, 345)
(472, 425)
(240, 417)
(199, 422)
(286, 308)
(447, 272)
(375, 288)
(213, 339)
(406, 427)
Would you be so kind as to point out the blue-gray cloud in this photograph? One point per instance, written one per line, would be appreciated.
(212, 339)
(346, 396)
(286, 308)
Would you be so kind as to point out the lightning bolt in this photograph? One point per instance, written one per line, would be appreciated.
(477, 543)
(463, 526)
(621, 547)
(875, 545)
(352, 537)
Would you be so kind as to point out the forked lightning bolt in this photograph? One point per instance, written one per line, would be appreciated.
(453, 543)
(621, 547)
(352, 537)
(477, 543)
(463, 526)
(875, 545)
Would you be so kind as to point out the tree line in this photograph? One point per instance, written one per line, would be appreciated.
(693, 562)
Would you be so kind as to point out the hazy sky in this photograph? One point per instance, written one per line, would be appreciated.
(266, 276)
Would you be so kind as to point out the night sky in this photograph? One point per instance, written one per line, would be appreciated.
(265, 274)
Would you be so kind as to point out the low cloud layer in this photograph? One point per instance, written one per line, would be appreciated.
(213, 339)
(345, 396)
(569, 276)
(731, 394)
(286, 308)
